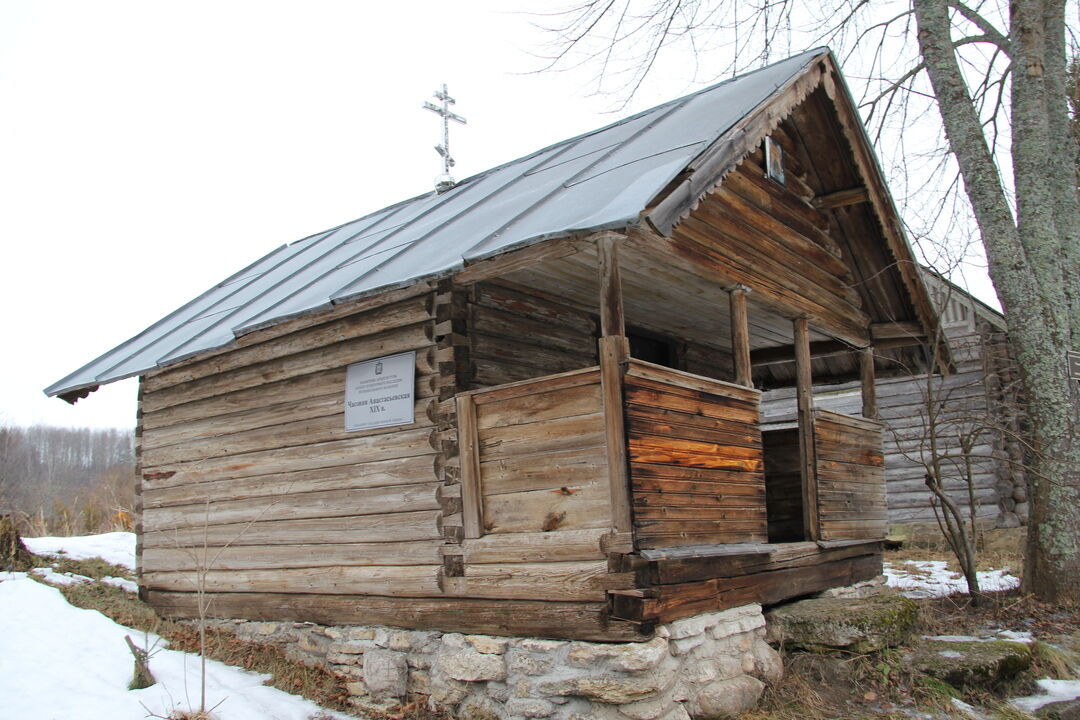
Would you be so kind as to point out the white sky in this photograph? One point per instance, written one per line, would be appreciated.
(150, 149)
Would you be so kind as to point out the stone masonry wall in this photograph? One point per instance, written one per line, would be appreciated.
(708, 666)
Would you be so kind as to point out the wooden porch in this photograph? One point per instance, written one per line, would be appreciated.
(698, 505)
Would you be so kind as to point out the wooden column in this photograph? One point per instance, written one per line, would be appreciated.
(612, 320)
(740, 336)
(469, 453)
(805, 402)
(614, 353)
(869, 388)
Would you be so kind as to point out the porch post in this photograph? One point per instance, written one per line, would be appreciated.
(614, 351)
(805, 403)
(869, 389)
(740, 336)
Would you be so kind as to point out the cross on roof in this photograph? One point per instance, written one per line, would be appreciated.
(445, 181)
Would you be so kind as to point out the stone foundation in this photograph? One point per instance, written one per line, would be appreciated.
(708, 666)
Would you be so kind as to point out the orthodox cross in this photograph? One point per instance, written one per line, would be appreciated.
(445, 182)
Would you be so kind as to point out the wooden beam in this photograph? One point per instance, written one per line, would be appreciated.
(614, 354)
(786, 353)
(805, 403)
(612, 318)
(869, 389)
(840, 198)
(469, 448)
(898, 331)
(740, 336)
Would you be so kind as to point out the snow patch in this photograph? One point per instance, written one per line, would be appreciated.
(122, 583)
(932, 578)
(74, 664)
(117, 548)
(54, 578)
(1053, 691)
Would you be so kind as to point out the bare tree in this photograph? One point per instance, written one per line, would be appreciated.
(996, 78)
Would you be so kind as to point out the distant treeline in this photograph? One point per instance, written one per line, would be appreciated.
(58, 480)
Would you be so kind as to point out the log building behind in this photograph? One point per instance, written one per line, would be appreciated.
(590, 328)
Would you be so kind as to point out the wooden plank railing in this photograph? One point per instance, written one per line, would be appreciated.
(533, 456)
(850, 476)
(695, 455)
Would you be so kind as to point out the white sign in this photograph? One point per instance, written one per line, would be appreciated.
(379, 393)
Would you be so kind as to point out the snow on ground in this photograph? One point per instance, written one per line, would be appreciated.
(1053, 691)
(117, 548)
(59, 661)
(932, 578)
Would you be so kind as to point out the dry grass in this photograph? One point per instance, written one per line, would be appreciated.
(998, 549)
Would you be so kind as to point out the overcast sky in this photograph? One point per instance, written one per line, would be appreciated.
(150, 149)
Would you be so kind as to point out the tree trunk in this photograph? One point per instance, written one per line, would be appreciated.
(1028, 261)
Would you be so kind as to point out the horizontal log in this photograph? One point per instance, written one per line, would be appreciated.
(398, 581)
(271, 557)
(393, 527)
(542, 547)
(753, 486)
(578, 621)
(541, 359)
(398, 471)
(676, 570)
(658, 537)
(557, 581)
(406, 443)
(671, 602)
(320, 504)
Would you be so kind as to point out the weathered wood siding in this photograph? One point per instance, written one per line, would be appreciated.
(249, 474)
(849, 466)
(695, 459)
(542, 458)
(514, 335)
(767, 237)
(535, 492)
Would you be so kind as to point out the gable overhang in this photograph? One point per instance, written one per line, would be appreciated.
(683, 194)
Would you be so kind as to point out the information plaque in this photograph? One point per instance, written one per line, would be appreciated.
(380, 392)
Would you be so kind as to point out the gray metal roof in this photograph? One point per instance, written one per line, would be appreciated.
(600, 180)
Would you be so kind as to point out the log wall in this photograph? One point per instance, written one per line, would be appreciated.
(249, 475)
(695, 459)
(515, 335)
